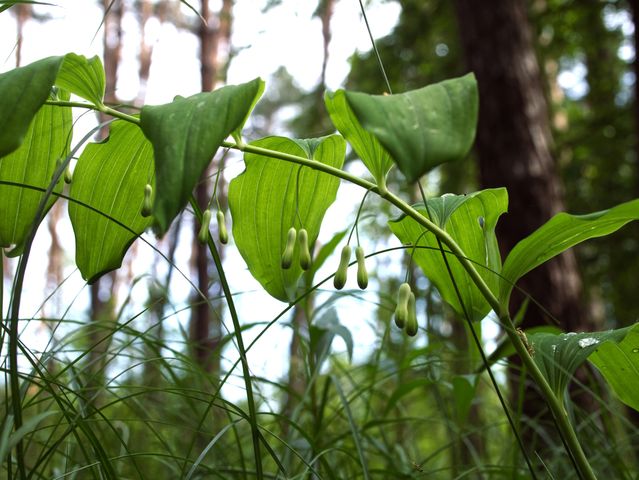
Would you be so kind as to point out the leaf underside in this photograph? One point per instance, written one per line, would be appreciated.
(185, 135)
(460, 216)
(110, 177)
(558, 234)
(619, 364)
(24, 91)
(367, 147)
(559, 355)
(263, 205)
(46, 142)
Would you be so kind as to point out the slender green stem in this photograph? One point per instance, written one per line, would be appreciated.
(555, 404)
(314, 164)
(98, 108)
(255, 433)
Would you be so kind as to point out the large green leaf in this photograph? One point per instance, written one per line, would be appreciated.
(46, 141)
(110, 177)
(470, 220)
(185, 135)
(619, 364)
(559, 355)
(22, 92)
(370, 151)
(82, 76)
(263, 205)
(422, 128)
(7, 4)
(558, 234)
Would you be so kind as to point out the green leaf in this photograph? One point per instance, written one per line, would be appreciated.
(558, 356)
(506, 349)
(462, 217)
(7, 4)
(322, 333)
(263, 202)
(9, 439)
(185, 135)
(22, 92)
(367, 147)
(558, 234)
(46, 141)
(430, 126)
(83, 77)
(404, 388)
(619, 365)
(464, 388)
(110, 177)
(237, 133)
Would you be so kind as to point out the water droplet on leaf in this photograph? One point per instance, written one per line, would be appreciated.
(587, 342)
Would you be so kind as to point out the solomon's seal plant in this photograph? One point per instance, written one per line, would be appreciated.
(112, 202)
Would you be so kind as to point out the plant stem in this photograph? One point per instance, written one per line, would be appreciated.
(255, 433)
(98, 108)
(554, 403)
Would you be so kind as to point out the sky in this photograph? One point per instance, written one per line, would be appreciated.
(287, 35)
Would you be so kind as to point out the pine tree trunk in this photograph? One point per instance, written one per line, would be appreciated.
(634, 8)
(205, 328)
(22, 12)
(513, 146)
(101, 291)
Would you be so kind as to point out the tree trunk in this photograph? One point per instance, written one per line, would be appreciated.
(634, 8)
(22, 12)
(206, 329)
(145, 11)
(101, 291)
(513, 146)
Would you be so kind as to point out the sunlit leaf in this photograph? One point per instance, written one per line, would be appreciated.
(558, 234)
(558, 356)
(46, 142)
(422, 128)
(470, 220)
(185, 135)
(83, 77)
(271, 196)
(367, 147)
(22, 92)
(619, 364)
(110, 177)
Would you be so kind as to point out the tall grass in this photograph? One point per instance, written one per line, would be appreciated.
(149, 411)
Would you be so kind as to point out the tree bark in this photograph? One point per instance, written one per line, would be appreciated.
(634, 9)
(513, 146)
(101, 291)
(22, 12)
(205, 328)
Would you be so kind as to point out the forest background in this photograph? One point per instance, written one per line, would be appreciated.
(558, 127)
